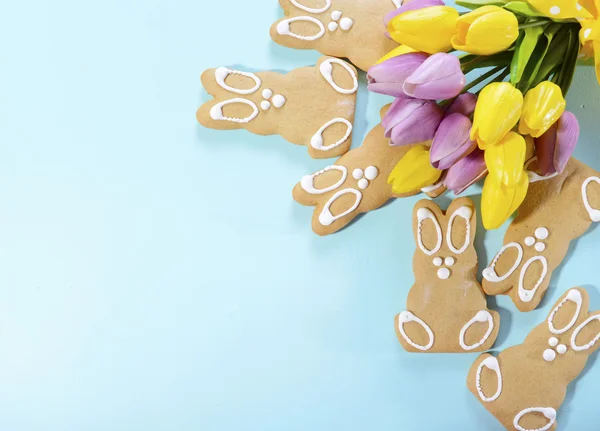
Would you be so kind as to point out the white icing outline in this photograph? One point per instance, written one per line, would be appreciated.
(490, 273)
(317, 140)
(283, 28)
(326, 70)
(477, 319)
(407, 317)
(466, 213)
(548, 412)
(221, 74)
(327, 219)
(397, 3)
(311, 10)
(422, 215)
(433, 187)
(534, 177)
(527, 295)
(574, 296)
(216, 112)
(492, 364)
(589, 345)
(307, 181)
(593, 213)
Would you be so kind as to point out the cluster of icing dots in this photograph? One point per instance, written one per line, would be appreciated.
(541, 233)
(365, 176)
(444, 273)
(345, 24)
(549, 354)
(278, 100)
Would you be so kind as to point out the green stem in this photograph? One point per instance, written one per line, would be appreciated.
(483, 78)
(533, 24)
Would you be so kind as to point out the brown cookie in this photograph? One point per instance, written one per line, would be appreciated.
(556, 211)
(446, 308)
(312, 106)
(340, 28)
(525, 385)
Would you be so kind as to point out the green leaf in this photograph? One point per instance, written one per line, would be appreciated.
(525, 46)
(471, 62)
(568, 69)
(474, 4)
(523, 8)
(537, 57)
(556, 56)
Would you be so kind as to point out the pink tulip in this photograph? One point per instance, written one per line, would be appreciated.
(463, 104)
(555, 147)
(466, 172)
(388, 77)
(411, 121)
(439, 77)
(412, 5)
(452, 141)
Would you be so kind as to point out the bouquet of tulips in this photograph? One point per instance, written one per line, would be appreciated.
(509, 124)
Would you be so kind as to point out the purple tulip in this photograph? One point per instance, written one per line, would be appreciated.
(411, 121)
(466, 172)
(555, 147)
(464, 104)
(412, 5)
(439, 77)
(388, 77)
(452, 141)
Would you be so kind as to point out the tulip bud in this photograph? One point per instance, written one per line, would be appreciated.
(466, 172)
(389, 77)
(451, 142)
(542, 107)
(412, 121)
(499, 202)
(413, 172)
(555, 147)
(438, 77)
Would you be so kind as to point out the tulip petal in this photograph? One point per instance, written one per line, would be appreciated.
(545, 147)
(413, 172)
(388, 77)
(567, 137)
(438, 77)
(464, 104)
(505, 160)
(413, 5)
(400, 50)
(399, 111)
(466, 172)
(499, 202)
(451, 142)
(542, 107)
(420, 126)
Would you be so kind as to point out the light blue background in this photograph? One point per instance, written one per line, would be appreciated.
(158, 276)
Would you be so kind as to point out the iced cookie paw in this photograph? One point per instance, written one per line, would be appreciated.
(310, 106)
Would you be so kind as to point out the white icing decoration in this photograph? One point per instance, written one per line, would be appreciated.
(407, 317)
(526, 295)
(437, 261)
(443, 273)
(317, 141)
(332, 26)
(529, 241)
(346, 24)
(481, 317)
(534, 177)
(327, 71)
(422, 215)
(266, 94)
(553, 341)
(357, 174)
(397, 3)
(549, 355)
(490, 273)
(283, 28)
(548, 412)
(222, 73)
(278, 101)
(449, 261)
(371, 173)
(574, 296)
(594, 213)
(466, 213)
(326, 218)
(540, 247)
(265, 105)
(312, 10)
(562, 349)
(574, 345)
(432, 187)
(492, 364)
(336, 15)
(216, 112)
(363, 184)
(542, 233)
(307, 182)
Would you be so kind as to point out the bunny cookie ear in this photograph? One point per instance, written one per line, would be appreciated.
(462, 224)
(570, 309)
(426, 226)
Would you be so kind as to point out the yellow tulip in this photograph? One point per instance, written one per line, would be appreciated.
(542, 107)
(397, 52)
(499, 202)
(413, 171)
(427, 30)
(498, 110)
(590, 41)
(505, 161)
(485, 31)
(560, 9)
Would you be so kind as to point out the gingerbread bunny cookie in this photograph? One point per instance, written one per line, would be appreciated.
(446, 308)
(525, 385)
(556, 211)
(312, 106)
(357, 183)
(340, 28)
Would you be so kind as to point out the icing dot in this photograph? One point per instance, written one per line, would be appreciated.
(371, 172)
(482, 316)
(438, 261)
(554, 10)
(553, 341)
(265, 105)
(363, 184)
(529, 241)
(336, 15)
(278, 101)
(549, 355)
(267, 93)
(443, 273)
(346, 24)
(562, 349)
(357, 174)
(449, 261)
(541, 233)
(540, 246)
(332, 26)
